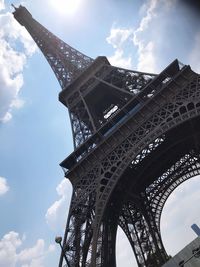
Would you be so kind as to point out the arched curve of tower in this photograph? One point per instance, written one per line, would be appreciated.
(182, 107)
(169, 187)
(185, 167)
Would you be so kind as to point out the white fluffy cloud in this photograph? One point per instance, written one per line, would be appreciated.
(119, 60)
(3, 186)
(32, 253)
(12, 254)
(15, 46)
(56, 215)
(145, 48)
(146, 55)
(8, 246)
(2, 5)
(194, 57)
(146, 38)
(117, 38)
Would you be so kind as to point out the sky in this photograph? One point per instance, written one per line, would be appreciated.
(35, 133)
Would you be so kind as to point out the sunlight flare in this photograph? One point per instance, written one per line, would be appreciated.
(66, 6)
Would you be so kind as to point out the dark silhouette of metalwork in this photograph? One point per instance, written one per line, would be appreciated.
(136, 138)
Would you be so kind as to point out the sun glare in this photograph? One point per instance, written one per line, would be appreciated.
(66, 6)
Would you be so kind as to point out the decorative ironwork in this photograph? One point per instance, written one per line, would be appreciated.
(66, 62)
(136, 138)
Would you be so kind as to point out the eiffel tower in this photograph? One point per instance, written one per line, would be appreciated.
(136, 138)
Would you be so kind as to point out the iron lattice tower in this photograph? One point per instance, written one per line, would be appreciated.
(136, 138)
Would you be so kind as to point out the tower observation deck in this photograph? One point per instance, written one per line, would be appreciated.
(136, 138)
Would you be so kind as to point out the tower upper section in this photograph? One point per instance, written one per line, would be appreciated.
(95, 92)
(66, 62)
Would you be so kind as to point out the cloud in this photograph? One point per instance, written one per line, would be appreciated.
(51, 248)
(56, 215)
(149, 7)
(146, 39)
(146, 55)
(3, 186)
(15, 46)
(147, 58)
(194, 57)
(151, 33)
(8, 246)
(11, 254)
(118, 38)
(32, 253)
(2, 5)
(119, 60)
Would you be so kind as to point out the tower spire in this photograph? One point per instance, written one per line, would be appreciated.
(14, 6)
(66, 62)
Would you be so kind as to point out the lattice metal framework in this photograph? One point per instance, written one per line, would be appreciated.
(136, 138)
(66, 62)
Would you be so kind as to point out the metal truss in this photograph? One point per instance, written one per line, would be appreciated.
(128, 130)
(141, 136)
(158, 192)
(87, 114)
(137, 222)
(66, 62)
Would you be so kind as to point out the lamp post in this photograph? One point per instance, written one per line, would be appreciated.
(58, 240)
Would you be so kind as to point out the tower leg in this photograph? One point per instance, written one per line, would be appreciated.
(106, 243)
(78, 234)
(138, 223)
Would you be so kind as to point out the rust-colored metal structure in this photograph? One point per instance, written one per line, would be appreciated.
(136, 138)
